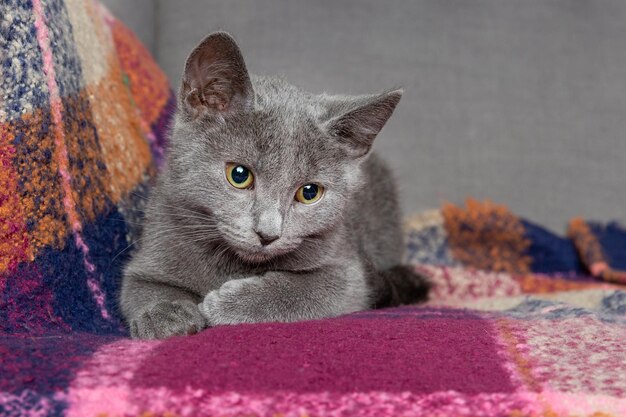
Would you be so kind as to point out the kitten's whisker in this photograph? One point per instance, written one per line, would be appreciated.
(206, 226)
(196, 214)
(122, 251)
(181, 208)
(163, 226)
(206, 233)
(145, 214)
(224, 249)
(139, 196)
(162, 231)
(174, 207)
(187, 241)
(184, 240)
(186, 216)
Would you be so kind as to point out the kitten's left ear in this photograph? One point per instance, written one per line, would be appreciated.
(216, 81)
(355, 122)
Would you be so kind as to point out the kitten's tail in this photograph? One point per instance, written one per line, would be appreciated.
(399, 285)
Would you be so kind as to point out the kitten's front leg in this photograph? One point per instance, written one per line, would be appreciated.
(287, 296)
(155, 310)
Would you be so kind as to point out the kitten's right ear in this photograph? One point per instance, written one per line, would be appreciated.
(216, 81)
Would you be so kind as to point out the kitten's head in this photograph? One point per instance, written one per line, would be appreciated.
(273, 165)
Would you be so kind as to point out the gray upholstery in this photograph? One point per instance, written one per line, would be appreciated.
(139, 15)
(519, 101)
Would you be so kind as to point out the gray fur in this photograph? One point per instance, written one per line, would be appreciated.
(200, 262)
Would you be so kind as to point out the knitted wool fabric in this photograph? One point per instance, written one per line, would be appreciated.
(83, 112)
(515, 327)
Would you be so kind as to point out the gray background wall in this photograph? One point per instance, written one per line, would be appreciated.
(519, 101)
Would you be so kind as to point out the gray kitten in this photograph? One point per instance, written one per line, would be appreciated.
(271, 206)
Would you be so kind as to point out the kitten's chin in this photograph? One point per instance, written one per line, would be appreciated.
(249, 252)
(258, 255)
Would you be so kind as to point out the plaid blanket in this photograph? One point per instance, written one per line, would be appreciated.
(522, 322)
(83, 115)
(516, 327)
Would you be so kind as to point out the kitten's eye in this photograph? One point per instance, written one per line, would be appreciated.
(239, 176)
(309, 194)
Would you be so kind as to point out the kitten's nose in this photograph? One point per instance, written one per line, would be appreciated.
(266, 239)
(268, 226)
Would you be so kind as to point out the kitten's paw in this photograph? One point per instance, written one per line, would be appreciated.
(166, 319)
(231, 303)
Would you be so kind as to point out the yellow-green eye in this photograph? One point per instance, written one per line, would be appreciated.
(239, 176)
(309, 194)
